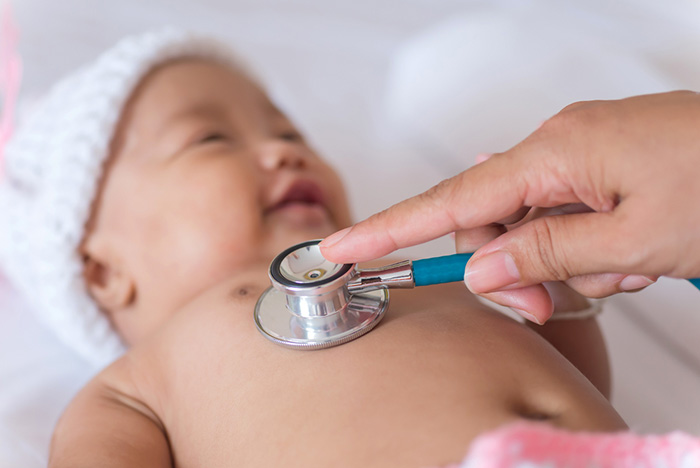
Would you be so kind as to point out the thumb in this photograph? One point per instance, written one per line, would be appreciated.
(553, 248)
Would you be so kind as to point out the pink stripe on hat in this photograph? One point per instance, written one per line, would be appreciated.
(10, 76)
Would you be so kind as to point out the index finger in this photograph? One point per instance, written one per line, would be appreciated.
(481, 195)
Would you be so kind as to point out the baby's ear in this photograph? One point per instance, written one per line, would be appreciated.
(107, 281)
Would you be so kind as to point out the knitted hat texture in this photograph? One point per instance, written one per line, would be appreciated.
(53, 165)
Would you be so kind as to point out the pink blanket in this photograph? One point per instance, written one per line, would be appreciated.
(537, 445)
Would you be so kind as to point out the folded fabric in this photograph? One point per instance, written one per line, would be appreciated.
(538, 445)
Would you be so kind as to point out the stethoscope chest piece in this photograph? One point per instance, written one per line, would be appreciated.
(309, 305)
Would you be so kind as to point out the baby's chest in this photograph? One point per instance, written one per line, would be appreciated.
(248, 400)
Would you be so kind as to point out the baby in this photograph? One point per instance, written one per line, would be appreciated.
(204, 181)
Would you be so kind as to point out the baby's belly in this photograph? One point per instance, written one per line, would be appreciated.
(415, 391)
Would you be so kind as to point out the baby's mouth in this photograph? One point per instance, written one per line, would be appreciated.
(303, 200)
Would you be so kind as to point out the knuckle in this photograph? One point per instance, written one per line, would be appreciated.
(633, 257)
(573, 106)
(568, 118)
(552, 260)
(595, 285)
(632, 254)
(444, 198)
(386, 219)
(683, 93)
(574, 115)
(382, 222)
(438, 191)
(472, 239)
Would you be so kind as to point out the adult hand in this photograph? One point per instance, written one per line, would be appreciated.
(633, 165)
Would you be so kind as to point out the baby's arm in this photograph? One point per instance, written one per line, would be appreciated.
(105, 427)
(580, 341)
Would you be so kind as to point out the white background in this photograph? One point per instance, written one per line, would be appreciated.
(398, 94)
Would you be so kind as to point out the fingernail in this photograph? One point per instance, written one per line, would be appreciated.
(491, 272)
(635, 282)
(526, 315)
(335, 238)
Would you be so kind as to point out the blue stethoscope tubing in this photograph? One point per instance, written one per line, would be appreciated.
(450, 268)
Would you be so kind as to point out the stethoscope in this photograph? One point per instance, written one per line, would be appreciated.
(316, 304)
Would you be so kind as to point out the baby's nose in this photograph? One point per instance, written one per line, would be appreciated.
(274, 155)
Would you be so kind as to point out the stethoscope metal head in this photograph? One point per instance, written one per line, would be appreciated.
(315, 304)
(310, 306)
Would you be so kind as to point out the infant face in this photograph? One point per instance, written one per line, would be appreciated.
(207, 178)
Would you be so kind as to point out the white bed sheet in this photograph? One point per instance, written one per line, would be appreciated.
(388, 95)
(513, 86)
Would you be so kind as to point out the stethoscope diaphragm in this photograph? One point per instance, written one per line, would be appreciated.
(316, 304)
(309, 305)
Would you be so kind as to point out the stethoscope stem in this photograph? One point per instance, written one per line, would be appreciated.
(424, 272)
(408, 274)
(438, 270)
(316, 304)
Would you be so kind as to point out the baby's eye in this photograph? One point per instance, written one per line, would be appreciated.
(292, 136)
(212, 137)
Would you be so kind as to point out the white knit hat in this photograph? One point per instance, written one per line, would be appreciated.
(52, 168)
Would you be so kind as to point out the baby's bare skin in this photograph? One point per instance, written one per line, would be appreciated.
(439, 370)
(206, 182)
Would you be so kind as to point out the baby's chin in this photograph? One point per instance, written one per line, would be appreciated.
(300, 216)
(282, 239)
(286, 229)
